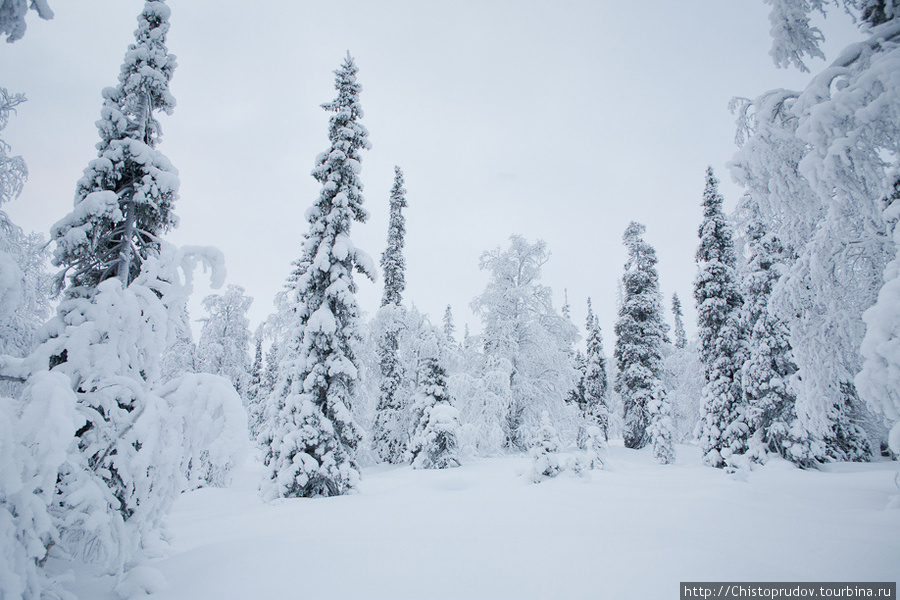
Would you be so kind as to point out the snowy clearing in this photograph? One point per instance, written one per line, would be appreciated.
(633, 530)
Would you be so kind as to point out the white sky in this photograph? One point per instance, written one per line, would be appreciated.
(556, 120)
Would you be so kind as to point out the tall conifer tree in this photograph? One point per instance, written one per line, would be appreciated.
(767, 372)
(390, 436)
(312, 443)
(124, 297)
(640, 333)
(124, 201)
(594, 381)
(449, 327)
(723, 425)
(680, 336)
(393, 262)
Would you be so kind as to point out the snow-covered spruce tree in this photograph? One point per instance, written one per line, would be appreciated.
(123, 204)
(678, 315)
(256, 387)
(879, 380)
(842, 131)
(545, 462)
(390, 435)
(449, 327)
(594, 383)
(661, 428)
(393, 263)
(526, 339)
(12, 16)
(312, 438)
(723, 426)
(434, 443)
(124, 201)
(640, 334)
(125, 289)
(224, 346)
(576, 395)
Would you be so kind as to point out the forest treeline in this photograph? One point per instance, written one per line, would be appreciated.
(110, 409)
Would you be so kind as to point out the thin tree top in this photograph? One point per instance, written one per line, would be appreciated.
(393, 262)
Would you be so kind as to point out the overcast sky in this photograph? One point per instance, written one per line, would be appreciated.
(560, 121)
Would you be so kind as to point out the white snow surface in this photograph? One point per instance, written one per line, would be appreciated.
(632, 530)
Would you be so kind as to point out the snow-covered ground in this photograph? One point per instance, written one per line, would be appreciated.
(633, 530)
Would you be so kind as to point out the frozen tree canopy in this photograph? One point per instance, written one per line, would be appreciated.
(12, 16)
(819, 164)
(24, 280)
(224, 347)
(527, 344)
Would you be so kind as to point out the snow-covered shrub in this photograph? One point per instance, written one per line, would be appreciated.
(547, 459)
(36, 435)
(213, 422)
(592, 441)
(481, 401)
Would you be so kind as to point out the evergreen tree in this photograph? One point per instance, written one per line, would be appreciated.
(661, 428)
(270, 377)
(723, 426)
(816, 162)
(389, 438)
(434, 443)
(124, 201)
(576, 396)
(255, 388)
(449, 327)
(313, 439)
(680, 336)
(767, 372)
(545, 461)
(393, 263)
(594, 405)
(640, 333)
(127, 460)
(879, 380)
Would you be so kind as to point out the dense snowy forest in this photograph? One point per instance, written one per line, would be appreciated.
(111, 410)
